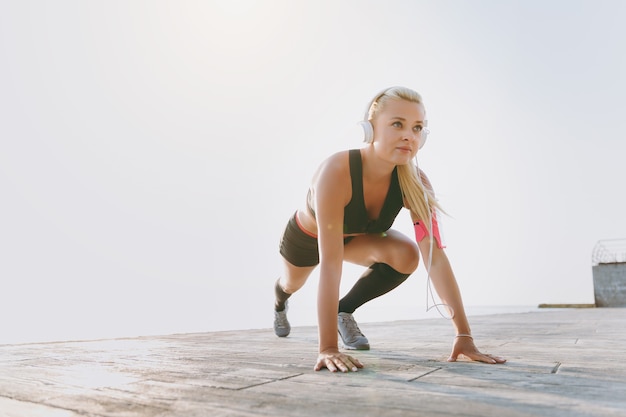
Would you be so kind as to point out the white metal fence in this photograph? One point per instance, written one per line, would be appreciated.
(609, 251)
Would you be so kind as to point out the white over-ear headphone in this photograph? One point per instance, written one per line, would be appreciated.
(368, 129)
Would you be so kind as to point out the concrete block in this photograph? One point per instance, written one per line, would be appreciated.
(609, 284)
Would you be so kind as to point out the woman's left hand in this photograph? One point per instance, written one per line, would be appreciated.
(465, 346)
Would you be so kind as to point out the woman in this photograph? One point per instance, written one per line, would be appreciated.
(352, 202)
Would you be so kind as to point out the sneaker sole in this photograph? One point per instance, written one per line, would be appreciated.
(359, 347)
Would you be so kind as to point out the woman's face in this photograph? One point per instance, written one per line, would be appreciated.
(397, 129)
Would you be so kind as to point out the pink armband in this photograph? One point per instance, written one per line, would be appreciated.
(421, 231)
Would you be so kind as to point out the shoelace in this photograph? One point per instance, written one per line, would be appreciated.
(281, 318)
(351, 326)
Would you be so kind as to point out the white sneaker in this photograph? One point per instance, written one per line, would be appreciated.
(350, 333)
(281, 324)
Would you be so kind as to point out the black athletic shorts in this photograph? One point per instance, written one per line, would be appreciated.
(299, 247)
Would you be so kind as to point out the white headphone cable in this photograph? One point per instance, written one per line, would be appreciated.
(429, 289)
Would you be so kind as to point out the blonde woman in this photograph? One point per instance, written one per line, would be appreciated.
(351, 204)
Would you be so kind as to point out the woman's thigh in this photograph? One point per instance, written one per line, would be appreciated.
(294, 277)
(392, 248)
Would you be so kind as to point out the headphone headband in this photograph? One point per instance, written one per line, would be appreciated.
(374, 101)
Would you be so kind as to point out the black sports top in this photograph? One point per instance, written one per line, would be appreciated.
(355, 219)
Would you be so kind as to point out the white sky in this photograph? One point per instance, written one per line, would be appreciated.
(152, 151)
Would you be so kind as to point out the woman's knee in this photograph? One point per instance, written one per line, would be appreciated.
(406, 257)
(293, 278)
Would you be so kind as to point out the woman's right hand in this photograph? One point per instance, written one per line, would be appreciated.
(335, 360)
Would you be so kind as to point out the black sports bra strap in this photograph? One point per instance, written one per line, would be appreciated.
(356, 174)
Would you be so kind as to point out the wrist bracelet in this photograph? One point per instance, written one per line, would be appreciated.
(464, 335)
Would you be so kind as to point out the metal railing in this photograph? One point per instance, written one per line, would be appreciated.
(609, 251)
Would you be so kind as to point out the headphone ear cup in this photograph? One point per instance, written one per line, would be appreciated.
(368, 131)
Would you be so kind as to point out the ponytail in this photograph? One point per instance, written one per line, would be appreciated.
(420, 198)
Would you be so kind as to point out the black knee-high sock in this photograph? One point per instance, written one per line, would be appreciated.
(379, 279)
(281, 297)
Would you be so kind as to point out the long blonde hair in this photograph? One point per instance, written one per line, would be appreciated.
(419, 197)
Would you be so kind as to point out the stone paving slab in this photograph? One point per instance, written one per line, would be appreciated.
(568, 362)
